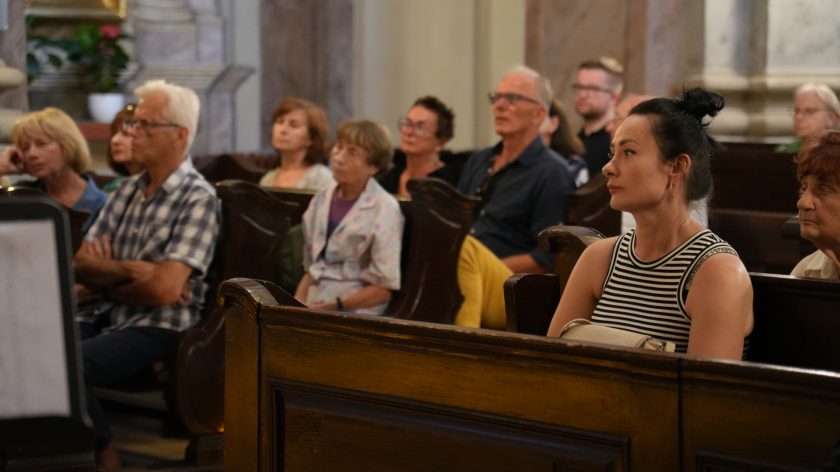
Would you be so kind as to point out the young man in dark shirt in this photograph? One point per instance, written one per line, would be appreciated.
(597, 87)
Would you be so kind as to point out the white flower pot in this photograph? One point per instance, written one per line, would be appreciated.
(104, 106)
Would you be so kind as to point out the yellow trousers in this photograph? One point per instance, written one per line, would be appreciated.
(481, 278)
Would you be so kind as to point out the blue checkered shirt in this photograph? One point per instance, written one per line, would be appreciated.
(179, 222)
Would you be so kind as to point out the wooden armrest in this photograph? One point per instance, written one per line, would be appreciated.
(530, 301)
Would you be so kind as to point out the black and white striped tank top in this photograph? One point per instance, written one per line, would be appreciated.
(649, 297)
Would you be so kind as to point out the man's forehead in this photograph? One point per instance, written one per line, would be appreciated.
(592, 75)
(518, 81)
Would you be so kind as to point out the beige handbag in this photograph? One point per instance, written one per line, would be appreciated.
(580, 329)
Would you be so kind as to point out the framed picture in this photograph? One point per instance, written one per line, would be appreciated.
(102, 10)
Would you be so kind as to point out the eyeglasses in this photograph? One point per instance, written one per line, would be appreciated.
(580, 88)
(145, 125)
(807, 111)
(511, 98)
(419, 128)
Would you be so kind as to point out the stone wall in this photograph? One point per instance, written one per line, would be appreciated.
(753, 52)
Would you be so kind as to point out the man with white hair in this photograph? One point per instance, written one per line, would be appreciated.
(147, 253)
(522, 184)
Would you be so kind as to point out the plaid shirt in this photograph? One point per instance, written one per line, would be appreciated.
(179, 222)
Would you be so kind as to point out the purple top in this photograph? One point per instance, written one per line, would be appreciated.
(338, 210)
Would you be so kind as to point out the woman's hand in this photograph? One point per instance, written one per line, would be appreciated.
(11, 161)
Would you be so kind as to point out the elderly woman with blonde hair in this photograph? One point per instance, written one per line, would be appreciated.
(49, 146)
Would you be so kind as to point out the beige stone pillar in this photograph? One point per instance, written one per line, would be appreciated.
(755, 53)
(456, 51)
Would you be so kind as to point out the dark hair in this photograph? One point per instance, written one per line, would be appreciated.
(564, 141)
(316, 120)
(445, 117)
(822, 160)
(116, 126)
(679, 129)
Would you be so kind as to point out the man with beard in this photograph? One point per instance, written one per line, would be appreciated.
(597, 88)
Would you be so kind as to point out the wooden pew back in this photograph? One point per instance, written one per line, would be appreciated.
(589, 206)
(325, 391)
(754, 180)
(401, 395)
(254, 226)
(249, 167)
(797, 321)
(795, 318)
(759, 238)
(437, 222)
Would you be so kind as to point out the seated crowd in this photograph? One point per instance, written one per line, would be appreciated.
(150, 243)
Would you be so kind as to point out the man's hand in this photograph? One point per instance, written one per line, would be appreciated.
(100, 248)
(186, 295)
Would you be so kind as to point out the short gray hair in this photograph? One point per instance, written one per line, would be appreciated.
(183, 107)
(823, 92)
(543, 85)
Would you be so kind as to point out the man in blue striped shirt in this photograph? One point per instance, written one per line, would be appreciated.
(147, 253)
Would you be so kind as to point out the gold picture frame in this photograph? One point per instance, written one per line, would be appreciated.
(99, 10)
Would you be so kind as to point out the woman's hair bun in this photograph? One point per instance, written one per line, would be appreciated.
(699, 103)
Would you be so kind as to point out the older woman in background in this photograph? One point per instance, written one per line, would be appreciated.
(353, 229)
(819, 207)
(50, 147)
(299, 136)
(558, 135)
(815, 109)
(119, 154)
(424, 132)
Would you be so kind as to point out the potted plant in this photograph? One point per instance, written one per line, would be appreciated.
(97, 50)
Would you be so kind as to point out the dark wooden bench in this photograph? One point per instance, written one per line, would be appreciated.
(755, 193)
(566, 243)
(249, 167)
(795, 318)
(759, 237)
(589, 206)
(754, 180)
(385, 394)
(439, 220)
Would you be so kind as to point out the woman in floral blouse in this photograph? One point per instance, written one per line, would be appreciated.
(353, 229)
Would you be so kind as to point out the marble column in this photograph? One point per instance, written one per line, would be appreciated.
(757, 52)
(306, 51)
(184, 42)
(13, 99)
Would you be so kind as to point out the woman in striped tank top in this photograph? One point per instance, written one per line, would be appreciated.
(669, 278)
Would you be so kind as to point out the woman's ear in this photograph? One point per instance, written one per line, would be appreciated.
(681, 165)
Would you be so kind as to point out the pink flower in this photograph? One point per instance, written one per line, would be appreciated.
(110, 31)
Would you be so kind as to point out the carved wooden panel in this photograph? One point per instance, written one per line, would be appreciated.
(320, 426)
